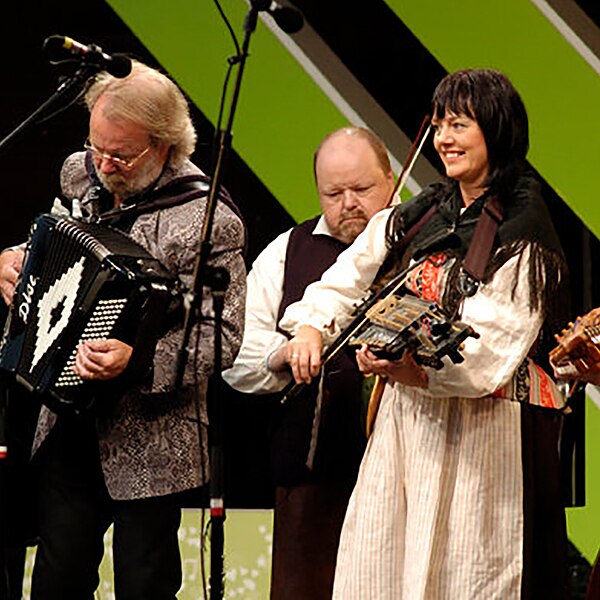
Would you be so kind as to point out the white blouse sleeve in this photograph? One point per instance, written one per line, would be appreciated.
(328, 303)
(250, 372)
(507, 329)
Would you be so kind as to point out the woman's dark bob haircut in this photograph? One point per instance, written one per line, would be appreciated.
(488, 97)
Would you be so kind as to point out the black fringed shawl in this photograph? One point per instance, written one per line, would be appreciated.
(526, 222)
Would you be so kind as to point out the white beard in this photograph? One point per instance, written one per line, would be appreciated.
(123, 186)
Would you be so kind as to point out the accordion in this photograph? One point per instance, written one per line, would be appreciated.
(399, 323)
(80, 281)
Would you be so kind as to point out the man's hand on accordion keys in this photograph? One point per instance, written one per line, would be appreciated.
(10, 267)
(404, 370)
(100, 360)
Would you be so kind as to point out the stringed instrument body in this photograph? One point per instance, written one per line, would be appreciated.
(404, 322)
(399, 323)
(577, 352)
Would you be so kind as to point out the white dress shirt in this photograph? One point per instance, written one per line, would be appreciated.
(250, 372)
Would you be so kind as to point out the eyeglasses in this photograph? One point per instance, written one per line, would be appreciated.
(124, 163)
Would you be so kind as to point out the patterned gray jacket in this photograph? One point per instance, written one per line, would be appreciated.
(149, 442)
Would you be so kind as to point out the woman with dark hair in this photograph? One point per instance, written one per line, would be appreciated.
(457, 495)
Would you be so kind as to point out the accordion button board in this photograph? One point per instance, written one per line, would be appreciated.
(80, 281)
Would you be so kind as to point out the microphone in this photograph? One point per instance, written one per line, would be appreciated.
(117, 65)
(288, 19)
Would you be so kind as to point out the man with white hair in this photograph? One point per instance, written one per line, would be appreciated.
(128, 459)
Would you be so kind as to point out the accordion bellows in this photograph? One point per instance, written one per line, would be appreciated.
(80, 281)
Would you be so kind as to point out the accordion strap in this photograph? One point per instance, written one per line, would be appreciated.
(177, 192)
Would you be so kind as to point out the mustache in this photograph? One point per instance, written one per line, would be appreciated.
(353, 214)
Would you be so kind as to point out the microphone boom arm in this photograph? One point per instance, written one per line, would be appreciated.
(72, 87)
(77, 80)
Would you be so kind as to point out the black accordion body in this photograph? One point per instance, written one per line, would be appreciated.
(80, 281)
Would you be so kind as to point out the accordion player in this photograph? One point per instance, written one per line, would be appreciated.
(80, 281)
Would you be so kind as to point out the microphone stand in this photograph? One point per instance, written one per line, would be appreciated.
(74, 83)
(219, 283)
(192, 299)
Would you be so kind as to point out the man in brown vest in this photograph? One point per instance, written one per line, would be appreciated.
(318, 439)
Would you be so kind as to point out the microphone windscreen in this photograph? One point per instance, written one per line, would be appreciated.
(289, 19)
(54, 44)
(119, 65)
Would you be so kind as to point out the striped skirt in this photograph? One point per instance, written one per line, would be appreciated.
(456, 498)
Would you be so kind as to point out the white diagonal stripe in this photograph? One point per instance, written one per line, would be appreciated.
(570, 36)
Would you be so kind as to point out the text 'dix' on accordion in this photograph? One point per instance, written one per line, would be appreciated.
(80, 281)
(399, 323)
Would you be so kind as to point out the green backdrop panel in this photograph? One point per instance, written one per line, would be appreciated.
(561, 91)
(281, 114)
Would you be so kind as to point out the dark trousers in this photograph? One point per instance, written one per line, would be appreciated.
(545, 571)
(74, 512)
(12, 568)
(306, 533)
(17, 506)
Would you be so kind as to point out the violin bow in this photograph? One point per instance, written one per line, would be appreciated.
(411, 159)
(409, 163)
